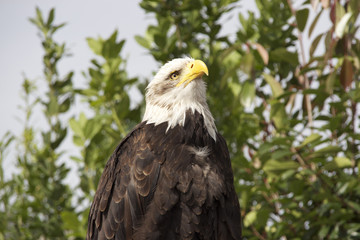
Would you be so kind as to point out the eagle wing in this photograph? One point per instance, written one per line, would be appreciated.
(230, 214)
(125, 189)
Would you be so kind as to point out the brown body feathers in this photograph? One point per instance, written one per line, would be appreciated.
(175, 184)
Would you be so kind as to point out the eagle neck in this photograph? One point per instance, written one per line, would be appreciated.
(176, 115)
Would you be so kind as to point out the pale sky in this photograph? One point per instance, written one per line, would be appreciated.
(21, 52)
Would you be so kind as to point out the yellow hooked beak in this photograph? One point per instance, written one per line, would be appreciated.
(194, 69)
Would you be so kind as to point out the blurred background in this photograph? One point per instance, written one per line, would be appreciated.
(283, 88)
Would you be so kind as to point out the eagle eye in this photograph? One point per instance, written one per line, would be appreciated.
(174, 75)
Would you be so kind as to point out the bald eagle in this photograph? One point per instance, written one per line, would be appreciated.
(170, 177)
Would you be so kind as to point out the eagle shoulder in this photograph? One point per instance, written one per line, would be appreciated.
(125, 188)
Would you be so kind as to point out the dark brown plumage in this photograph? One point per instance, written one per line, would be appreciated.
(154, 187)
(171, 177)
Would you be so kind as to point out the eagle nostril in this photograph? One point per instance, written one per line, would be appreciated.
(192, 65)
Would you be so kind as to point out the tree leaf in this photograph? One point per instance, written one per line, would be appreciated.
(323, 231)
(65, 105)
(160, 40)
(50, 17)
(263, 53)
(276, 87)
(250, 218)
(313, 24)
(342, 25)
(342, 162)
(247, 61)
(354, 7)
(72, 223)
(52, 107)
(326, 150)
(346, 73)
(262, 217)
(339, 12)
(143, 41)
(314, 44)
(355, 206)
(247, 94)
(278, 115)
(330, 82)
(273, 166)
(92, 127)
(39, 18)
(76, 159)
(235, 87)
(283, 55)
(281, 153)
(301, 18)
(78, 141)
(338, 163)
(95, 45)
(76, 127)
(312, 138)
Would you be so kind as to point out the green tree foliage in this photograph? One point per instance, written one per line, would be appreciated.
(111, 119)
(33, 200)
(288, 112)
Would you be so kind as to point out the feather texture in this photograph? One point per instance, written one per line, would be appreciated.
(165, 183)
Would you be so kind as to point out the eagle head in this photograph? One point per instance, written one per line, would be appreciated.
(176, 88)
